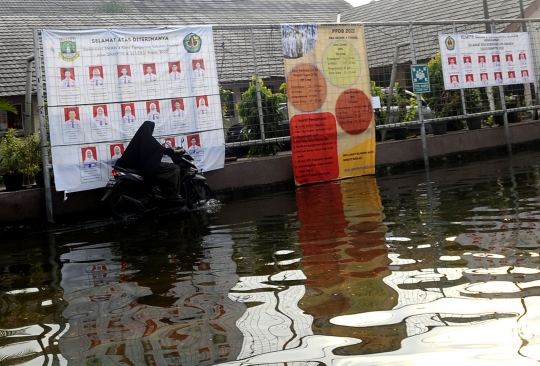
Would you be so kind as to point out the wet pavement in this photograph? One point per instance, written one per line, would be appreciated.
(404, 269)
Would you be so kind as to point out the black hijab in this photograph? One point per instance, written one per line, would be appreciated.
(143, 153)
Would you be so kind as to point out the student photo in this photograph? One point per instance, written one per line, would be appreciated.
(202, 105)
(482, 61)
(89, 156)
(71, 118)
(198, 68)
(116, 151)
(149, 72)
(128, 113)
(124, 74)
(522, 59)
(168, 142)
(452, 63)
(100, 115)
(96, 78)
(484, 79)
(194, 144)
(467, 62)
(68, 77)
(454, 81)
(178, 108)
(152, 108)
(175, 73)
(525, 75)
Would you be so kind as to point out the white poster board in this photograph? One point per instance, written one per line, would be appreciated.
(103, 84)
(479, 60)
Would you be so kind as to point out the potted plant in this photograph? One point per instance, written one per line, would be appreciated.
(511, 102)
(11, 150)
(19, 157)
(412, 111)
(474, 105)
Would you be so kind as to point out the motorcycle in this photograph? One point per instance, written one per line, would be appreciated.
(129, 194)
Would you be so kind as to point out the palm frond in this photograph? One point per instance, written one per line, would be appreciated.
(5, 105)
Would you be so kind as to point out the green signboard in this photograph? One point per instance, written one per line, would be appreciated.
(420, 79)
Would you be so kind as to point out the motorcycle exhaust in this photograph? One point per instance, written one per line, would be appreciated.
(107, 194)
(134, 202)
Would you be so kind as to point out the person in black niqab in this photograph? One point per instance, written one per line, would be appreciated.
(144, 153)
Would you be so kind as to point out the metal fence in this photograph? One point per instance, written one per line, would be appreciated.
(256, 51)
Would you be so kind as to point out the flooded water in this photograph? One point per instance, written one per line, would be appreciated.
(405, 269)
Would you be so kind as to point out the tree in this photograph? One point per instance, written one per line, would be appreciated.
(249, 114)
(112, 6)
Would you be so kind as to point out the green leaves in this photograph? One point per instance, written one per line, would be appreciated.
(11, 148)
(31, 156)
(6, 105)
(249, 114)
(20, 155)
(377, 91)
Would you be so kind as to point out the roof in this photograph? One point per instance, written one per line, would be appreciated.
(41, 7)
(16, 39)
(382, 39)
(421, 10)
(233, 47)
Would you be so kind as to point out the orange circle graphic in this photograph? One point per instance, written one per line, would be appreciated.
(306, 88)
(354, 111)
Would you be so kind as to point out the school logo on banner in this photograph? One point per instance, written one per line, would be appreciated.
(450, 43)
(68, 49)
(192, 43)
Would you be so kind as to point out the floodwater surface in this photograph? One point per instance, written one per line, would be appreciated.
(413, 268)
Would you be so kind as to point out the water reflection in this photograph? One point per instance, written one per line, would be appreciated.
(342, 237)
(399, 270)
(108, 325)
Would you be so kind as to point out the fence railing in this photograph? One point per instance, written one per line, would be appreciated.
(255, 52)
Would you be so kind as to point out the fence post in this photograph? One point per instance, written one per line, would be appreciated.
(526, 86)
(419, 99)
(463, 102)
(532, 37)
(43, 132)
(503, 104)
(391, 88)
(257, 86)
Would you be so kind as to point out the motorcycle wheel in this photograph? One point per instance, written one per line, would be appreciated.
(120, 209)
(198, 194)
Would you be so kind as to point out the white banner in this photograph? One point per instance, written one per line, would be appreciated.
(103, 84)
(479, 60)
